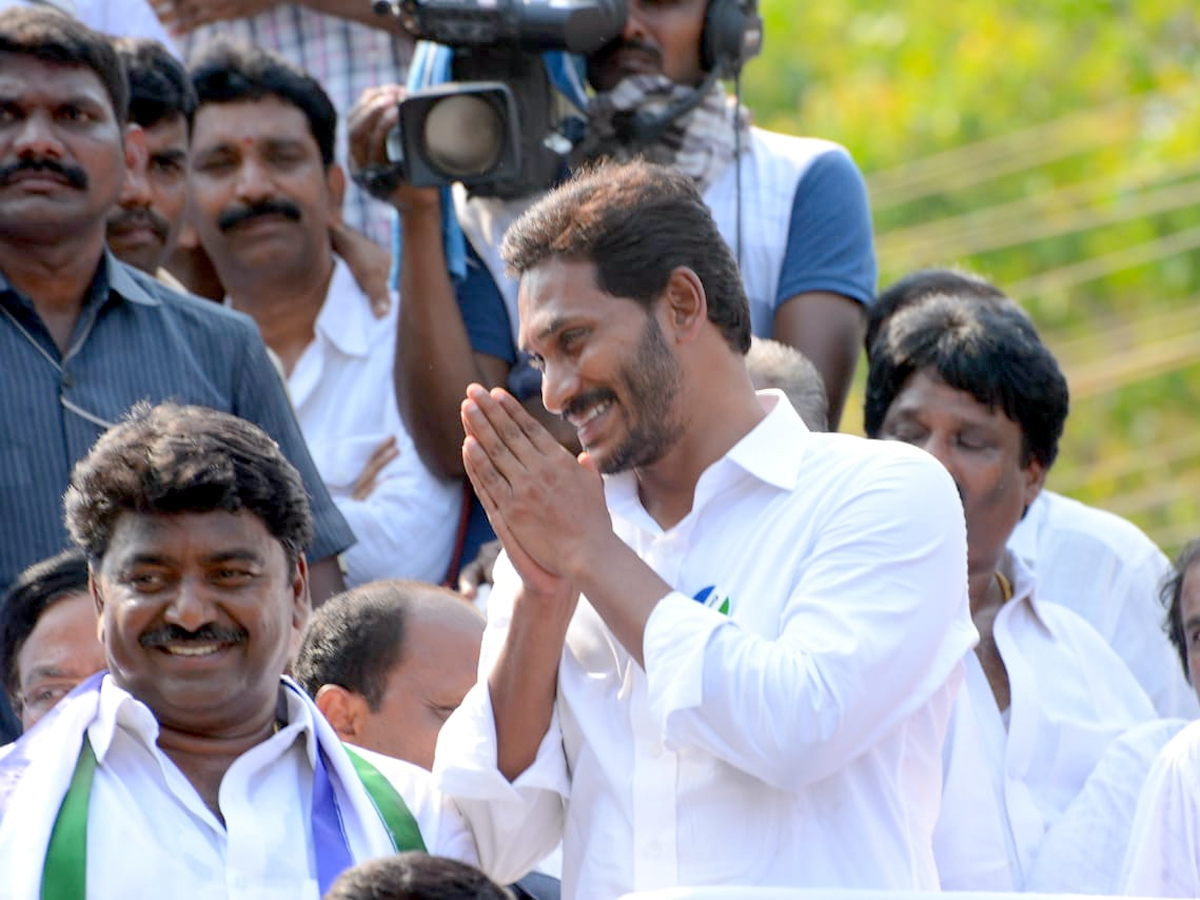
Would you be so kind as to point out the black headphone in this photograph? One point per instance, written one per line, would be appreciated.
(733, 33)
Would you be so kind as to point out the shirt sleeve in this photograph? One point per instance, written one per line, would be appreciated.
(259, 397)
(830, 246)
(484, 312)
(874, 627)
(515, 823)
(1163, 859)
(406, 526)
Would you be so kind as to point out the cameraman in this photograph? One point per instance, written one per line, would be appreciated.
(803, 235)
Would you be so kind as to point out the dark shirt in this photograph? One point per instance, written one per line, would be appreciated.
(135, 340)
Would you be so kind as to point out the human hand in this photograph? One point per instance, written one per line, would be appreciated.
(547, 508)
(182, 16)
(368, 480)
(367, 125)
(478, 571)
(369, 263)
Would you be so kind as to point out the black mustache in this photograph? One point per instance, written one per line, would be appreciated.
(73, 175)
(208, 634)
(236, 215)
(613, 47)
(131, 217)
(583, 401)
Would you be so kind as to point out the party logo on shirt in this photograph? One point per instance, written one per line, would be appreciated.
(713, 599)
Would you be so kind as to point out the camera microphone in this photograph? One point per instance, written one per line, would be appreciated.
(647, 127)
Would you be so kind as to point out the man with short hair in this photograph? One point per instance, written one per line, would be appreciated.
(265, 189)
(84, 336)
(144, 227)
(196, 527)
(970, 382)
(48, 635)
(346, 46)
(388, 662)
(1098, 565)
(743, 621)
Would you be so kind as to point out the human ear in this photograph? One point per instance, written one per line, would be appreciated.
(344, 709)
(686, 303)
(335, 183)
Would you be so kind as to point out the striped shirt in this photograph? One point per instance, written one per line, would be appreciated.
(134, 340)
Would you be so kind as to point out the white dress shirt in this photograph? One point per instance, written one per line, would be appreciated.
(149, 834)
(1070, 697)
(346, 405)
(1106, 570)
(1164, 849)
(794, 741)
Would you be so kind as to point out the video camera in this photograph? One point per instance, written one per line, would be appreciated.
(494, 125)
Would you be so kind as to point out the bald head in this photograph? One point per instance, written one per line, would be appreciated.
(388, 662)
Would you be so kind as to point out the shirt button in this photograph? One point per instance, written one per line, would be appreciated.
(654, 847)
(67, 381)
(656, 751)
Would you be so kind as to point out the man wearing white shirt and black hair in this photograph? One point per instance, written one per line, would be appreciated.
(265, 190)
(732, 659)
(969, 381)
(193, 756)
(1089, 560)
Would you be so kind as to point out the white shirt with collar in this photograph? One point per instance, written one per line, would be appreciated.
(1108, 571)
(794, 741)
(1071, 696)
(345, 402)
(150, 834)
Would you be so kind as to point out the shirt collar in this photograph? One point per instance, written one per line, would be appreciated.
(120, 709)
(113, 278)
(757, 454)
(345, 319)
(1024, 583)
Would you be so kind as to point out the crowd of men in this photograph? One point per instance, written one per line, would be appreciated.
(721, 645)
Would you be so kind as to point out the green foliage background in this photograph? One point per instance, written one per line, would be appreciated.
(1052, 146)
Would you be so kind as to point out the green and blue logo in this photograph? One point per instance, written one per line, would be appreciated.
(712, 598)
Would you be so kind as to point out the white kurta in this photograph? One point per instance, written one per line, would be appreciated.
(1070, 698)
(1106, 570)
(1164, 847)
(150, 834)
(795, 741)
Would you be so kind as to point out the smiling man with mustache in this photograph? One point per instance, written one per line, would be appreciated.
(265, 192)
(195, 527)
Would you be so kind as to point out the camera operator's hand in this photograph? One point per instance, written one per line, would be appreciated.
(182, 16)
(374, 115)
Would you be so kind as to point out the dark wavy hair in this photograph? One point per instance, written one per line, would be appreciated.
(159, 86)
(55, 37)
(990, 351)
(229, 72)
(636, 223)
(172, 459)
(1171, 594)
(918, 285)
